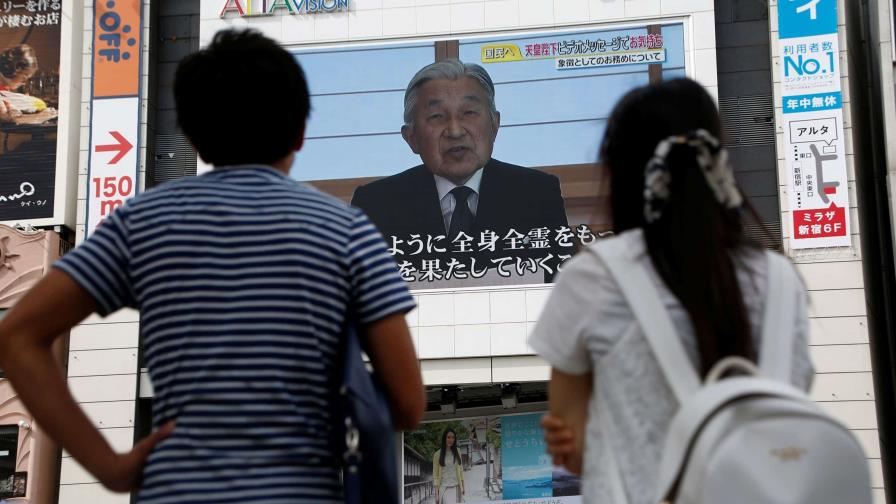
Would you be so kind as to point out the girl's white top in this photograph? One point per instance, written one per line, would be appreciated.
(587, 326)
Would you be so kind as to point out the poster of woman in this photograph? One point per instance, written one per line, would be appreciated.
(483, 460)
(448, 470)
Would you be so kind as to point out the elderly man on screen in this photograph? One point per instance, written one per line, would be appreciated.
(451, 122)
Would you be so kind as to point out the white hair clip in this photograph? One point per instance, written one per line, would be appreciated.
(710, 157)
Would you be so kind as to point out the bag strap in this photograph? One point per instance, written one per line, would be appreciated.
(775, 359)
(644, 300)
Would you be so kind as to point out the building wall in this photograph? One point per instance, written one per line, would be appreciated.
(479, 335)
(29, 256)
(747, 109)
(102, 368)
(882, 37)
(838, 326)
(175, 35)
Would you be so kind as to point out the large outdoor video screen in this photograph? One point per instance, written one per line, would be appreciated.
(536, 199)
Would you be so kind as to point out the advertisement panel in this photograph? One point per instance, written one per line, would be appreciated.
(30, 34)
(114, 163)
(814, 145)
(535, 194)
(487, 459)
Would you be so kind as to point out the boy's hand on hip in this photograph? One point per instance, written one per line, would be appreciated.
(128, 470)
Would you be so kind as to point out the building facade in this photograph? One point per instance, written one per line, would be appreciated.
(558, 67)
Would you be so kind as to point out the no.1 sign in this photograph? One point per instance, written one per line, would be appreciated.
(814, 148)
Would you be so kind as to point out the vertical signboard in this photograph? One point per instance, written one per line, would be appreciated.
(814, 147)
(114, 163)
(30, 34)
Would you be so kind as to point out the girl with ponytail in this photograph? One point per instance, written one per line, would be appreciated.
(678, 209)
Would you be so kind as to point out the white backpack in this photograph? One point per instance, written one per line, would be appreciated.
(750, 439)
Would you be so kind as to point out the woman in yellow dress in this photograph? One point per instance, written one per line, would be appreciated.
(448, 470)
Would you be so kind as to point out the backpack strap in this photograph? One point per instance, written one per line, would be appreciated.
(776, 345)
(644, 300)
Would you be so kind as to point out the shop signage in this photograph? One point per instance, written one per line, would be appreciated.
(246, 8)
(814, 147)
(32, 189)
(114, 164)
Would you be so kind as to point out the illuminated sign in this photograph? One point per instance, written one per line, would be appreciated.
(247, 8)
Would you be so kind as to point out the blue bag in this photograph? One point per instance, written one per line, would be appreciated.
(365, 434)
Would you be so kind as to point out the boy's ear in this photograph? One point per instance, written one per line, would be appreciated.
(300, 141)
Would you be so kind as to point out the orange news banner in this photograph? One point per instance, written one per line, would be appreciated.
(116, 48)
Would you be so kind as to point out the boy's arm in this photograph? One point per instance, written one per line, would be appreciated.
(55, 305)
(390, 348)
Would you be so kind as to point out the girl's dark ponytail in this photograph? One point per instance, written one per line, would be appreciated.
(695, 241)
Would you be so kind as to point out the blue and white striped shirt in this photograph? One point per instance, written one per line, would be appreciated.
(243, 278)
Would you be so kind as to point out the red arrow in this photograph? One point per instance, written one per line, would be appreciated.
(123, 147)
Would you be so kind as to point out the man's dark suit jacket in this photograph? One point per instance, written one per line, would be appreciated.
(510, 197)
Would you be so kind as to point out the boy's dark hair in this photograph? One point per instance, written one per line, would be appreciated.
(241, 100)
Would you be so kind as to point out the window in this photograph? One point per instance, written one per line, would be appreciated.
(2, 313)
(9, 443)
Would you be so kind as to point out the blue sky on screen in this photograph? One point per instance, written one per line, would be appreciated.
(548, 116)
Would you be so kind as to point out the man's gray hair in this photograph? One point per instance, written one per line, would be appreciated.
(448, 69)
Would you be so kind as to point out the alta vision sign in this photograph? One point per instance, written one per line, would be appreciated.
(246, 8)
